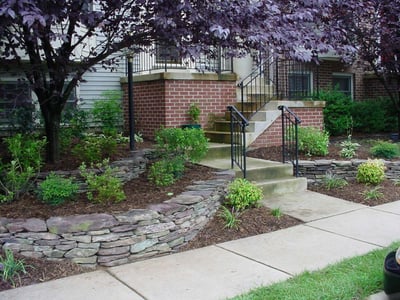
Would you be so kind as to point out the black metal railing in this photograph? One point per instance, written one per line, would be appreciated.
(290, 139)
(161, 58)
(277, 79)
(238, 139)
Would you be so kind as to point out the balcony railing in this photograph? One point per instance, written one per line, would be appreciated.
(157, 58)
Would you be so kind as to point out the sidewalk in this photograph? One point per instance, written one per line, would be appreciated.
(335, 229)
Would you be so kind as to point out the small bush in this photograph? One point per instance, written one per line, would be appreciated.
(373, 193)
(55, 190)
(95, 148)
(190, 143)
(371, 172)
(276, 212)
(10, 268)
(331, 181)
(368, 116)
(108, 112)
(337, 112)
(386, 150)
(26, 160)
(166, 171)
(243, 194)
(103, 186)
(348, 148)
(313, 141)
(230, 217)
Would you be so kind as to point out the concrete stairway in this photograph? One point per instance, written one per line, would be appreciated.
(220, 133)
(273, 177)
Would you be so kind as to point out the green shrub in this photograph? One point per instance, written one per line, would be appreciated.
(176, 146)
(23, 119)
(313, 141)
(371, 172)
(94, 148)
(190, 143)
(166, 171)
(337, 112)
(55, 190)
(10, 268)
(276, 212)
(348, 148)
(243, 194)
(26, 160)
(368, 116)
(107, 113)
(103, 186)
(386, 150)
(75, 124)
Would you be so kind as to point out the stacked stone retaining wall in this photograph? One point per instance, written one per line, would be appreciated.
(315, 170)
(113, 239)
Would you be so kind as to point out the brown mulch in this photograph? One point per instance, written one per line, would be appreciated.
(140, 193)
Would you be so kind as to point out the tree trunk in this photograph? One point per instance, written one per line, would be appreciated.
(52, 119)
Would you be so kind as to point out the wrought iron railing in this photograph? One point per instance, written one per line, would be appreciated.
(238, 139)
(290, 139)
(158, 58)
(277, 79)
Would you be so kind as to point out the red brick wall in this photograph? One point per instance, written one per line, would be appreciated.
(164, 102)
(273, 135)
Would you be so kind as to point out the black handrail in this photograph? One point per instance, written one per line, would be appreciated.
(238, 139)
(290, 139)
(277, 79)
(255, 89)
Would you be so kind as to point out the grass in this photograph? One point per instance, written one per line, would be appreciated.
(353, 278)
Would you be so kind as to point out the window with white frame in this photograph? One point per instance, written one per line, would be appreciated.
(300, 84)
(13, 94)
(343, 82)
(167, 54)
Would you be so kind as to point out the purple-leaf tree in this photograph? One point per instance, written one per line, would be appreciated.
(372, 28)
(54, 42)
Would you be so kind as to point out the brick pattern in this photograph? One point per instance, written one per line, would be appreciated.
(164, 103)
(273, 135)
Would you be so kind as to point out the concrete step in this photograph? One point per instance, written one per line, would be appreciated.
(218, 151)
(282, 186)
(218, 136)
(225, 126)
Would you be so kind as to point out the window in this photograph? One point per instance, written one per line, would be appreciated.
(300, 85)
(167, 54)
(343, 82)
(13, 94)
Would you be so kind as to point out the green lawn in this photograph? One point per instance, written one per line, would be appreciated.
(354, 278)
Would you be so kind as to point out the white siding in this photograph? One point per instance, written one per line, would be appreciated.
(95, 83)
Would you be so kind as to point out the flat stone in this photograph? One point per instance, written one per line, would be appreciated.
(38, 235)
(155, 228)
(124, 228)
(114, 251)
(80, 223)
(89, 245)
(123, 242)
(167, 208)
(54, 253)
(67, 247)
(32, 224)
(139, 247)
(185, 199)
(176, 242)
(32, 254)
(110, 237)
(116, 262)
(77, 238)
(18, 247)
(107, 259)
(79, 252)
(137, 215)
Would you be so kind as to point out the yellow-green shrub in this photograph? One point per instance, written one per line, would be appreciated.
(371, 172)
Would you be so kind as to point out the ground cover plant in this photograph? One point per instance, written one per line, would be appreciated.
(350, 279)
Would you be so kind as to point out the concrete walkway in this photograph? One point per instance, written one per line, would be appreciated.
(335, 229)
